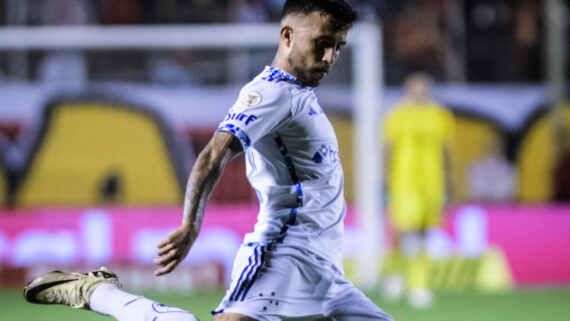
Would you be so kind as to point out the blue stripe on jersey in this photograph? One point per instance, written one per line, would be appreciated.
(290, 168)
(299, 192)
(285, 228)
(292, 216)
(287, 159)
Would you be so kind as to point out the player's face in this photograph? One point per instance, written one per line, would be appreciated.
(418, 88)
(315, 48)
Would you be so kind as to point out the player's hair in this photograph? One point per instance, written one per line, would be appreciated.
(343, 15)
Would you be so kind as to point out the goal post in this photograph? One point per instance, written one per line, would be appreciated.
(367, 101)
(365, 42)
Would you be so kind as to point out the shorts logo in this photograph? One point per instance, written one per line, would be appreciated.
(252, 99)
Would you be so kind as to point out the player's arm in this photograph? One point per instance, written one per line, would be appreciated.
(221, 149)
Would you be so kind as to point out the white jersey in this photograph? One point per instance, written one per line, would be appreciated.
(292, 163)
(290, 266)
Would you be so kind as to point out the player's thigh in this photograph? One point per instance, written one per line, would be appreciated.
(352, 305)
(232, 317)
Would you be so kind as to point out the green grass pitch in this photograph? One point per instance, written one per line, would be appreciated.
(521, 305)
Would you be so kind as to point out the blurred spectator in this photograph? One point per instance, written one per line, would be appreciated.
(503, 40)
(384, 9)
(120, 11)
(65, 66)
(67, 12)
(492, 178)
(251, 11)
(527, 44)
(193, 11)
(461, 40)
(419, 136)
(417, 41)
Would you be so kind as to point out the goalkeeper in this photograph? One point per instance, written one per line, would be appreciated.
(419, 138)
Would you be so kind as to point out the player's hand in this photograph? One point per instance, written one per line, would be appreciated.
(173, 249)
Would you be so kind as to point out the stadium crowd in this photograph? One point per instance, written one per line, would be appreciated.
(454, 41)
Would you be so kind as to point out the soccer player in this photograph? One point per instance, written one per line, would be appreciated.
(419, 138)
(290, 265)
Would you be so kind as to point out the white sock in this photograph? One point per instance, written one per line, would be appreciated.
(108, 299)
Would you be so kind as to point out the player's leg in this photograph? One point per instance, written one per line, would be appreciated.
(99, 291)
(345, 302)
(420, 295)
(109, 300)
(232, 317)
(405, 216)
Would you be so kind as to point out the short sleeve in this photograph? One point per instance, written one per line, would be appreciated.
(258, 112)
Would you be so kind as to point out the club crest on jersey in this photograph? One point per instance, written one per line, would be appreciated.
(253, 98)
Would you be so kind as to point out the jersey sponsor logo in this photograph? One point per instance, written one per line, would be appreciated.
(252, 99)
(247, 119)
(326, 151)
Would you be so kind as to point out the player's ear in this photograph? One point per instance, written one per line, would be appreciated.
(286, 35)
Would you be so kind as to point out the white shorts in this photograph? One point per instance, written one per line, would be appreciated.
(271, 282)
